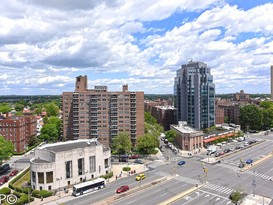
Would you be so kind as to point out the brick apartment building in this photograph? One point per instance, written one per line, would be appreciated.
(18, 130)
(98, 113)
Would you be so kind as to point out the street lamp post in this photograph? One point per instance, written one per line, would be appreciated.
(59, 179)
(254, 186)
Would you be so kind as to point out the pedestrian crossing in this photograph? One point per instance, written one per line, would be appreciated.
(228, 166)
(258, 174)
(210, 186)
(188, 180)
(237, 169)
(218, 188)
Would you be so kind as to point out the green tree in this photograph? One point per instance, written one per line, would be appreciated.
(32, 141)
(19, 107)
(52, 109)
(250, 115)
(171, 135)
(266, 104)
(7, 149)
(147, 143)
(236, 197)
(149, 118)
(267, 118)
(5, 108)
(122, 143)
(52, 131)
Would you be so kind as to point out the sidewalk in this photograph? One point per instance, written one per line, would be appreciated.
(251, 200)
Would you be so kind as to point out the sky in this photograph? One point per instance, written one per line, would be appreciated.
(45, 45)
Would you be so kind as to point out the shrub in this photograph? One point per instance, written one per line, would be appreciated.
(18, 189)
(24, 199)
(107, 176)
(18, 194)
(126, 169)
(35, 194)
(45, 193)
(5, 190)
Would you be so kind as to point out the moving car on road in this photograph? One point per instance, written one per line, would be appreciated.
(140, 177)
(249, 161)
(122, 189)
(180, 163)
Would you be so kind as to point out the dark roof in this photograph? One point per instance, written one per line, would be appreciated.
(69, 146)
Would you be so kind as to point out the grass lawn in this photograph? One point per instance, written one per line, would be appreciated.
(23, 180)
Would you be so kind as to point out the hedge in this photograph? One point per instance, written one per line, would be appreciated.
(24, 199)
(107, 176)
(43, 193)
(126, 169)
(5, 190)
(16, 178)
(18, 194)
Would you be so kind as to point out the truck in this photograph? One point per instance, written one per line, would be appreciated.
(211, 150)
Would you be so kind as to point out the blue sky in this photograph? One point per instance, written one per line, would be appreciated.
(44, 45)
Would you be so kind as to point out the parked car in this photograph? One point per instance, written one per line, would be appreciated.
(222, 153)
(180, 163)
(217, 154)
(13, 173)
(138, 161)
(226, 150)
(140, 177)
(249, 161)
(237, 147)
(122, 189)
(133, 157)
(4, 179)
(246, 144)
(241, 165)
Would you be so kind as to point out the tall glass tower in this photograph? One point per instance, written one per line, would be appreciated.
(194, 94)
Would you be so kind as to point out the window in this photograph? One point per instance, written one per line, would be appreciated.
(34, 177)
(68, 169)
(49, 177)
(80, 166)
(40, 177)
(106, 163)
(92, 163)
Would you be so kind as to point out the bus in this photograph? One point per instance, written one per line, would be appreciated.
(88, 186)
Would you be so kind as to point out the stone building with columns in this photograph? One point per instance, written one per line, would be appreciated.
(67, 163)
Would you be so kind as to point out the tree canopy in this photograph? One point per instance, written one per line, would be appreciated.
(170, 135)
(49, 133)
(52, 109)
(147, 143)
(5, 108)
(7, 149)
(122, 143)
(250, 117)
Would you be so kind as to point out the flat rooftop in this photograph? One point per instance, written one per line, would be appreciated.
(70, 145)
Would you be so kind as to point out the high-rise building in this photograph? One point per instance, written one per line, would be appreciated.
(194, 94)
(98, 113)
(271, 79)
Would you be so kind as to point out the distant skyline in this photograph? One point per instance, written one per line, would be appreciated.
(45, 45)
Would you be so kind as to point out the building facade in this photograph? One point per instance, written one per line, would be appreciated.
(194, 95)
(98, 113)
(67, 163)
(18, 130)
(188, 138)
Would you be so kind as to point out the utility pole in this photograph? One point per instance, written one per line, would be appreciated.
(254, 186)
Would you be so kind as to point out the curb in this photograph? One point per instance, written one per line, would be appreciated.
(114, 198)
(257, 162)
(177, 197)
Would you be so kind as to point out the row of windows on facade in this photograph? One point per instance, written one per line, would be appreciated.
(69, 171)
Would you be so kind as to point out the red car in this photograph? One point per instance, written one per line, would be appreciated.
(13, 173)
(122, 189)
(134, 157)
(4, 179)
